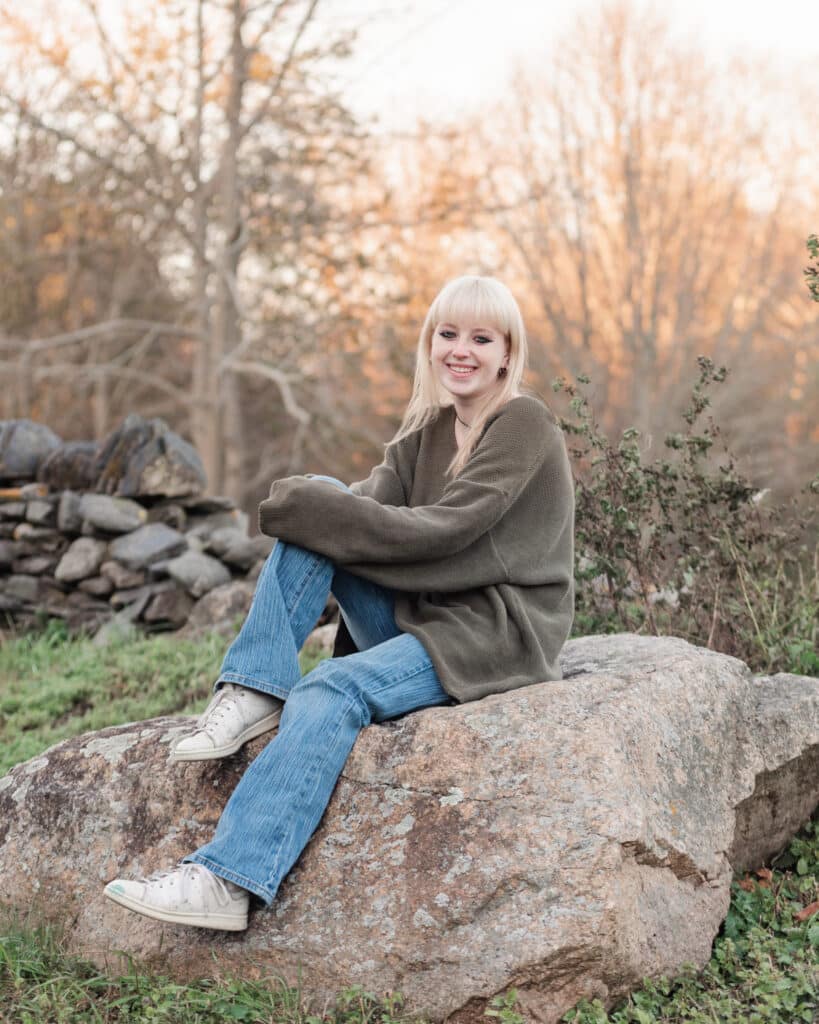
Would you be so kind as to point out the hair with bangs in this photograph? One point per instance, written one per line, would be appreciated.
(474, 299)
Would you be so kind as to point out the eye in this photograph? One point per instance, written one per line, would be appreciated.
(447, 334)
(483, 338)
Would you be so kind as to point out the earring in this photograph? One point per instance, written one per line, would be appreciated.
(502, 371)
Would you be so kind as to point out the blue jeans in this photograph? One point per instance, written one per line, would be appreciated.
(282, 795)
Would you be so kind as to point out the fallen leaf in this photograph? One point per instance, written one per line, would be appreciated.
(807, 911)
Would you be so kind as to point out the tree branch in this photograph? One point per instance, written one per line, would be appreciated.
(152, 380)
(261, 109)
(282, 380)
(85, 333)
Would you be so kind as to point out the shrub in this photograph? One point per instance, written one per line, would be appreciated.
(679, 546)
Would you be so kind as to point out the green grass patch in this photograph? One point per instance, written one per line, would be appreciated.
(53, 686)
(40, 983)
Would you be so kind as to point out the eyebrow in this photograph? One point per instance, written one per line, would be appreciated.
(486, 330)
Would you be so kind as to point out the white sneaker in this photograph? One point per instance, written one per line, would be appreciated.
(190, 894)
(234, 716)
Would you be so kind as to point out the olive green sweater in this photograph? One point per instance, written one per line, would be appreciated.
(482, 564)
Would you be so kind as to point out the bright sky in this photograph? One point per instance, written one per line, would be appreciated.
(437, 56)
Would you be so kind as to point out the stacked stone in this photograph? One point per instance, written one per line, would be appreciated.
(122, 529)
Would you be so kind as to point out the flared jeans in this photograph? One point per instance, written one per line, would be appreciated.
(282, 795)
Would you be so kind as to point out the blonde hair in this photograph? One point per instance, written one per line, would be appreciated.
(470, 298)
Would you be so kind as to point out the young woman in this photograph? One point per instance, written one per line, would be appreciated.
(452, 564)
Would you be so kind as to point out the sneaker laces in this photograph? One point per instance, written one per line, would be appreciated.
(188, 875)
(187, 871)
(221, 704)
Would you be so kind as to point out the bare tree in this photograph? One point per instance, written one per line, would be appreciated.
(651, 208)
(671, 226)
(66, 267)
(205, 127)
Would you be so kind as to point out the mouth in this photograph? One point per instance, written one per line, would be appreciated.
(461, 371)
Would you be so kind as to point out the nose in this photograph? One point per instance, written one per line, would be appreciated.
(460, 348)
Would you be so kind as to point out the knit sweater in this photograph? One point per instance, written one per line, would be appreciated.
(481, 564)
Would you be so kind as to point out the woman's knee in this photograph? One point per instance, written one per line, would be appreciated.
(329, 692)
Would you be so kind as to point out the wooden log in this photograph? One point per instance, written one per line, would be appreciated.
(24, 492)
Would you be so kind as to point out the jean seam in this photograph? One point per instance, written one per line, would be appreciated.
(351, 701)
(302, 587)
(373, 693)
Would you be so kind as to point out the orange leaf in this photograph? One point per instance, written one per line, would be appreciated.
(748, 884)
(765, 873)
(807, 911)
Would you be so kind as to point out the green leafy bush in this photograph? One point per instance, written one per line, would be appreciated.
(677, 546)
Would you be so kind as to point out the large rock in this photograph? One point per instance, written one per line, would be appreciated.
(114, 515)
(198, 573)
(69, 519)
(42, 512)
(43, 536)
(98, 586)
(236, 548)
(566, 839)
(219, 611)
(140, 595)
(203, 527)
(121, 577)
(35, 565)
(146, 545)
(169, 606)
(206, 503)
(11, 550)
(12, 510)
(145, 457)
(170, 513)
(70, 467)
(82, 559)
(21, 589)
(23, 446)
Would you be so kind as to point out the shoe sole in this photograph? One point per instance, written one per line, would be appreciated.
(214, 754)
(219, 922)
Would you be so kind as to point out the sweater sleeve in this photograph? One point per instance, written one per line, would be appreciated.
(354, 528)
(390, 483)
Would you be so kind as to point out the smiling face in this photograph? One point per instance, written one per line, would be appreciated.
(465, 359)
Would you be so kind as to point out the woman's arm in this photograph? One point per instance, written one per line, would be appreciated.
(385, 484)
(354, 528)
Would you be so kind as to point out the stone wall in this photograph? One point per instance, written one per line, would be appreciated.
(121, 529)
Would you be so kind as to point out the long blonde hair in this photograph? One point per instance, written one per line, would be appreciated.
(466, 299)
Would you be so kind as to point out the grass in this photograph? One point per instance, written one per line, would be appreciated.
(40, 983)
(53, 687)
(765, 963)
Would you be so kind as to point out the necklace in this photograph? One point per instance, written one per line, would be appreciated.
(457, 417)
